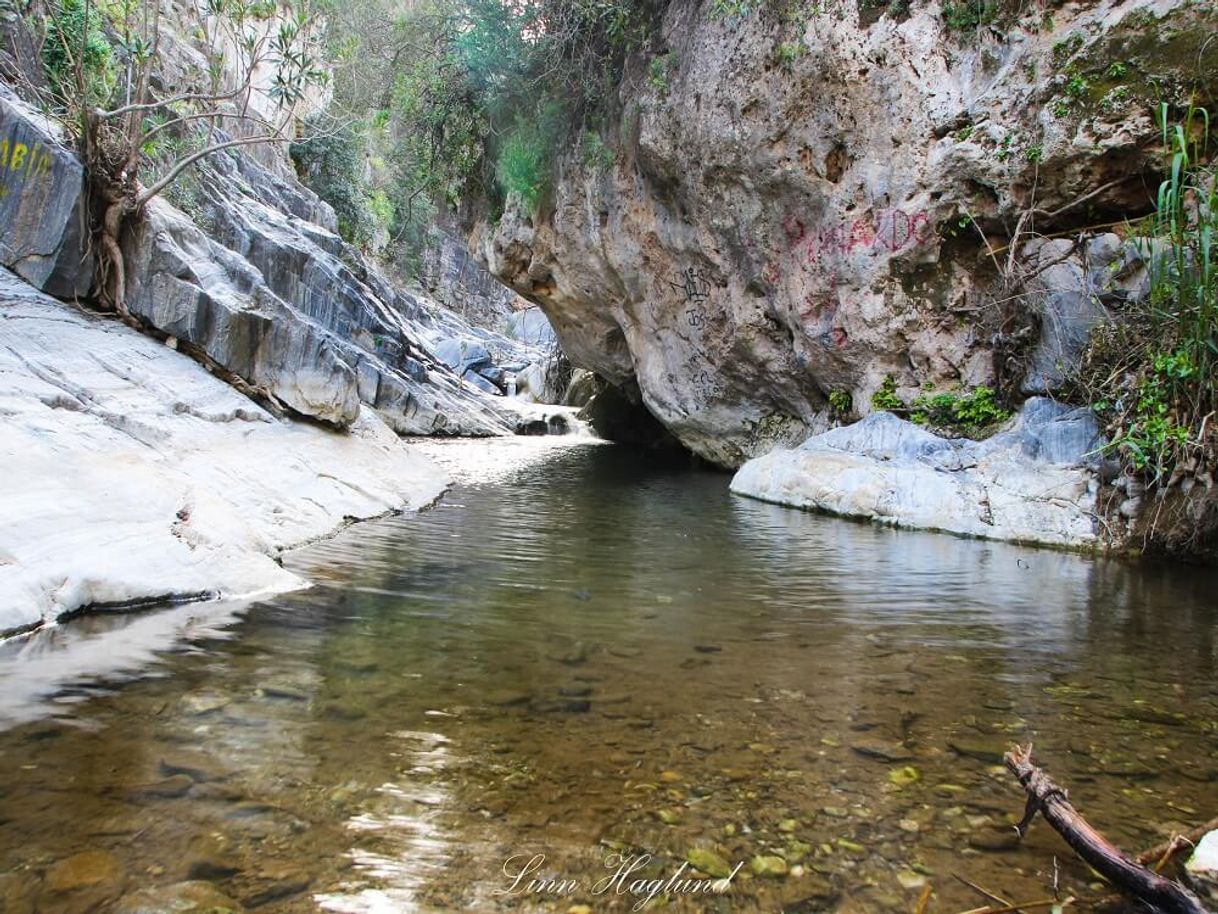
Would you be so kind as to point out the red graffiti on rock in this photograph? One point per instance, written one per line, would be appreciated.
(890, 230)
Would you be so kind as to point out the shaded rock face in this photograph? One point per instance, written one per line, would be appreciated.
(1032, 483)
(41, 203)
(287, 306)
(794, 207)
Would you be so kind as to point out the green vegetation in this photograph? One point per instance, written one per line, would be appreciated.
(333, 165)
(841, 404)
(1153, 375)
(522, 166)
(659, 71)
(965, 412)
(886, 397)
(970, 413)
(105, 67)
(472, 100)
(74, 35)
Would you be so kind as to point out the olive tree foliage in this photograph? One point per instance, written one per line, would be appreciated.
(467, 100)
(133, 111)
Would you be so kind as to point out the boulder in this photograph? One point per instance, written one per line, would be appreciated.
(1202, 867)
(462, 355)
(41, 203)
(1032, 482)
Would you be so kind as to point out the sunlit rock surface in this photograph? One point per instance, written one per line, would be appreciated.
(1031, 483)
(132, 474)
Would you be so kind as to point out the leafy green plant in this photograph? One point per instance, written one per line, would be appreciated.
(732, 9)
(969, 413)
(1077, 86)
(788, 52)
(75, 39)
(594, 153)
(840, 402)
(659, 71)
(522, 166)
(885, 396)
(331, 164)
(968, 15)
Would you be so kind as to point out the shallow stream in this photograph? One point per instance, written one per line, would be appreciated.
(584, 652)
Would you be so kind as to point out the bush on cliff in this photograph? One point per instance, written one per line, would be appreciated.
(1153, 376)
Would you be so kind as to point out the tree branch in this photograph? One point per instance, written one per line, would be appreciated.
(1044, 796)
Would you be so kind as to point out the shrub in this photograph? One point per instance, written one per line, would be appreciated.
(1154, 375)
(521, 167)
(886, 396)
(331, 164)
(840, 403)
(66, 27)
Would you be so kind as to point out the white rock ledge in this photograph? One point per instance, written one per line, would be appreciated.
(1031, 483)
(130, 474)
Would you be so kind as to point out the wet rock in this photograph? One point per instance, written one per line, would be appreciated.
(84, 881)
(768, 866)
(199, 768)
(988, 751)
(904, 776)
(181, 898)
(881, 751)
(276, 886)
(17, 893)
(169, 788)
(708, 862)
(561, 705)
(200, 703)
(994, 839)
(209, 857)
(911, 881)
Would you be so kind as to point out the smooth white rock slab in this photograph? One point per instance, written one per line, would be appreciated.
(129, 473)
(1031, 483)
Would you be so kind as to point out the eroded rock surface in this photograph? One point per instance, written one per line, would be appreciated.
(1031, 483)
(798, 204)
(132, 474)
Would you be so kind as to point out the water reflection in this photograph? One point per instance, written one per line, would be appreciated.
(594, 651)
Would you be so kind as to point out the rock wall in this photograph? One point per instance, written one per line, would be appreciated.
(798, 203)
(41, 203)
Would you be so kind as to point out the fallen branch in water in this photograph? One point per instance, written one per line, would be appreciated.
(1158, 892)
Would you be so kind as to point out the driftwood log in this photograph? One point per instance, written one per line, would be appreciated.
(1044, 797)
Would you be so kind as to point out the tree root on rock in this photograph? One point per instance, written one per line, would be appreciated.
(1157, 892)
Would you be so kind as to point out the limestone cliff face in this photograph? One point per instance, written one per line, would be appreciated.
(797, 206)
